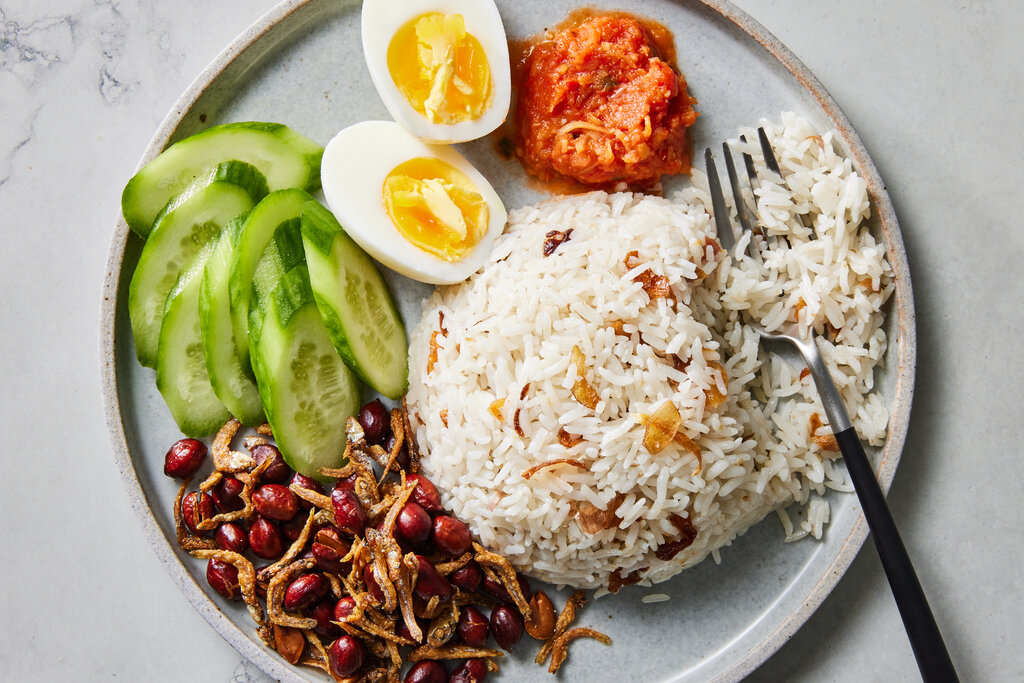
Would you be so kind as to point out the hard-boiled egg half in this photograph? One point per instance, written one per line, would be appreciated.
(421, 210)
(440, 66)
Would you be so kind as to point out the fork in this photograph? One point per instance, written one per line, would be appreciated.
(933, 659)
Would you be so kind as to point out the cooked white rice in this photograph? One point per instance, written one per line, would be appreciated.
(514, 325)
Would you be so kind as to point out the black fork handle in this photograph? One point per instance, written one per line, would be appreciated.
(930, 650)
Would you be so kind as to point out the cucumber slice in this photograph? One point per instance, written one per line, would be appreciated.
(181, 374)
(307, 390)
(355, 303)
(271, 212)
(230, 379)
(186, 224)
(282, 255)
(286, 159)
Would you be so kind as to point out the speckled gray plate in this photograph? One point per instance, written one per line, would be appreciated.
(301, 65)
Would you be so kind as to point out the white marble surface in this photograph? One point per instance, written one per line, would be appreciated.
(934, 90)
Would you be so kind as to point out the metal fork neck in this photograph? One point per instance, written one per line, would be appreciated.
(838, 418)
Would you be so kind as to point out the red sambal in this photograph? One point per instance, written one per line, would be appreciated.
(599, 102)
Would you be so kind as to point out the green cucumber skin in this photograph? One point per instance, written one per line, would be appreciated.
(182, 229)
(307, 407)
(283, 254)
(363, 328)
(276, 208)
(278, 304)
(329, 396)
(287, 158)
(287, 286)
(181, 374)
(231, 381)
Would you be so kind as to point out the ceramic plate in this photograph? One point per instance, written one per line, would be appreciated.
(301, 65)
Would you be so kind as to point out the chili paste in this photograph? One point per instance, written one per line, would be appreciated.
(599, 102)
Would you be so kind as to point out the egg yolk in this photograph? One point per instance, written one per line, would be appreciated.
(436, 207)
(440, 68)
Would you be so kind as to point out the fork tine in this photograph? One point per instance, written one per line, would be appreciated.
(769, 156)
(734, 183)
(748, 161)
(773, 165)
(755, 182)
(726, 232)
(753, 248)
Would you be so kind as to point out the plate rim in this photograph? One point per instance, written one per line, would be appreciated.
(905, 325)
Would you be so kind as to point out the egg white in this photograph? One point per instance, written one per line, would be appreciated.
(382, 18)
(352, 173)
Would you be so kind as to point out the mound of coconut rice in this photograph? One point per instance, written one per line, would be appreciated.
(591, 401)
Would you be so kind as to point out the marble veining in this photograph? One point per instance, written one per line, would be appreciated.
(29, 48)
(7, 161)
(246, 672)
